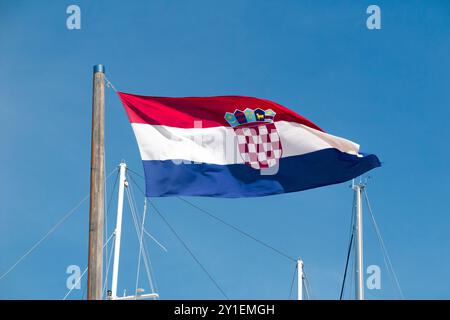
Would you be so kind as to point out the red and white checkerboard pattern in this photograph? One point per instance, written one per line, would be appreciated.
(259, 146)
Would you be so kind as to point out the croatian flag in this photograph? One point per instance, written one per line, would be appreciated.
(236, 146)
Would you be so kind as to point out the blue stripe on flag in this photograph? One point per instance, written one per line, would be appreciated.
(296, 173)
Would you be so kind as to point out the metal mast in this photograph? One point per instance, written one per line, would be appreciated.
(112, 295)
(358, 231)
(299, 279)
(118, 230)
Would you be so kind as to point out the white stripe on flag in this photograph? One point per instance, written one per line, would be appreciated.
(218, 145)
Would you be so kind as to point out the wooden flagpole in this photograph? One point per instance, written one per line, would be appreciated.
(97, 201)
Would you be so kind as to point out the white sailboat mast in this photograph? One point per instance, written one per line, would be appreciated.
(299, 279)
(358, 231)
(118, 230)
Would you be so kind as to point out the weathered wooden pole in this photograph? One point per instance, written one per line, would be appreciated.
(97, 204)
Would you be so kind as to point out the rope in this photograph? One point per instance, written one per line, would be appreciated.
(190, 252)
(216, 218)
(105, 194)
(140, 244)
(349, 248)
(353, 278)
(292, 282)
(307, 286)
(108, 267)
(346, 267)
(112, 192)
(75, 284)
(147, 263)
(83, 291)
(156, 241)
(52, 229)
(137, 185)
(84, 272)
(110, 85)
(136, 173)
(386, 257)
(223, 222)
(239, 230)
(108, 206)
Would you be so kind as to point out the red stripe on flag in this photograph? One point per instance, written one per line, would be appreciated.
(183, 112)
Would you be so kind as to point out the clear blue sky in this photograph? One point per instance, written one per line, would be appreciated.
(387, 90)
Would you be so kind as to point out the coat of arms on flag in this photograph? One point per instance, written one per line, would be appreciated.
(258, 141)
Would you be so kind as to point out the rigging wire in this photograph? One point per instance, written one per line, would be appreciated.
(387, 259)
(308, 290)
(189, 251)
(292, 282)
(353, 278)
(239, 230)
(83, 291)
(156, 241)
(218, 219)
(346, 267)
(349, 250)
(84, 272)
(108, 206)
(140, 244)
(105, 194)
(75, 284)
(110, 85)
(223, 222)
(108, 266)
(135, 183)
(148, 265)
(305, 282)
(136, 173)
(136, 227)
(112, 192)
(52, 229)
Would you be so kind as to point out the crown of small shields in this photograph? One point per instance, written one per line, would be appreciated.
(249, 116)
